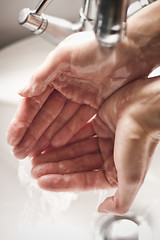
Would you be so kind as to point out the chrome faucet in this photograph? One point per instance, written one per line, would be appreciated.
(106, 17)
(110, 24)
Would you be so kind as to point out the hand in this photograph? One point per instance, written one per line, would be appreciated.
(112, 150)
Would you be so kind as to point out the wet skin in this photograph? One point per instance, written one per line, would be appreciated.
(113, 150)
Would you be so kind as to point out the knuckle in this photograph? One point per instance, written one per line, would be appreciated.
(135, 179)
(34, 103)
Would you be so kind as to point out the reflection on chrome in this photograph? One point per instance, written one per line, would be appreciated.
(107, 18)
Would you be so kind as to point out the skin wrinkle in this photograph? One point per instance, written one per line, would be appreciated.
(81, 164)
(19, 125)
(32, 135)
(72, 126)
(24, 107)
(111, 178)
(150, 134)
(70, 83)
(150, 94)
(26, 147)
(93, 83)
(139, 53)
(60, 120)
(62, 67)
(42, 143)
(91, 143)
(106, 122)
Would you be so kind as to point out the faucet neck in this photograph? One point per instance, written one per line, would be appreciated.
(110, 24)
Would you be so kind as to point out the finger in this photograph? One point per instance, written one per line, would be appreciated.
(106, 146)
(74, 182)
(70, 108)
(88, 162)
(85, 132)
(71, 151)
(26, 111)
(132, 154)
(66, 133)
(56, 62)
(40, 123)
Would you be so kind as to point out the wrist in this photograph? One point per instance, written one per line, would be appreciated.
(143, 30)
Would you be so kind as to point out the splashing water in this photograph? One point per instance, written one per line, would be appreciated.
(41, 203)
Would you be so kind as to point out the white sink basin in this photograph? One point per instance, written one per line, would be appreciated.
(17, 62)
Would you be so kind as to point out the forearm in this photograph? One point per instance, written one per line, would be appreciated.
(144, 30)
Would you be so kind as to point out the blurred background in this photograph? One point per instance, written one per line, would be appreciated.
(11, 31)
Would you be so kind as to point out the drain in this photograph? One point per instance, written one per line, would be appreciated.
(122, 228)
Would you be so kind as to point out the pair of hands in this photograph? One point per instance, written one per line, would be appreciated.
(113, 149)
(70, 153)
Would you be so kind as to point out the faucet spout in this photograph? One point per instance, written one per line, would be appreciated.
(53, 29)
(56, 29)
(110, 24)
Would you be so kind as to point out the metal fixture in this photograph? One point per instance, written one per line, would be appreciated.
(56, 29)
(137, 5)
(110, 24)
(107, 18)
(126, 227)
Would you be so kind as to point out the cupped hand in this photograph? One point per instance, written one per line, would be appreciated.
(113, 150)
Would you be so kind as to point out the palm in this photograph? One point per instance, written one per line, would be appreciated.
(87, 163)
(88, 157)
(86, 73)
(114, 149)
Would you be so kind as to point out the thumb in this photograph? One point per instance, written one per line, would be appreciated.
(132, 154)
(112, 204)
(55, 63)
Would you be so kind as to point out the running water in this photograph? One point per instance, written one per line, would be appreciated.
(41, 203)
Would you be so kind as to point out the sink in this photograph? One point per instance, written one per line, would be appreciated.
(26, 213)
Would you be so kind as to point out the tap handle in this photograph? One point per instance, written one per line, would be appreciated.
(42, 6)
(34, 20)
